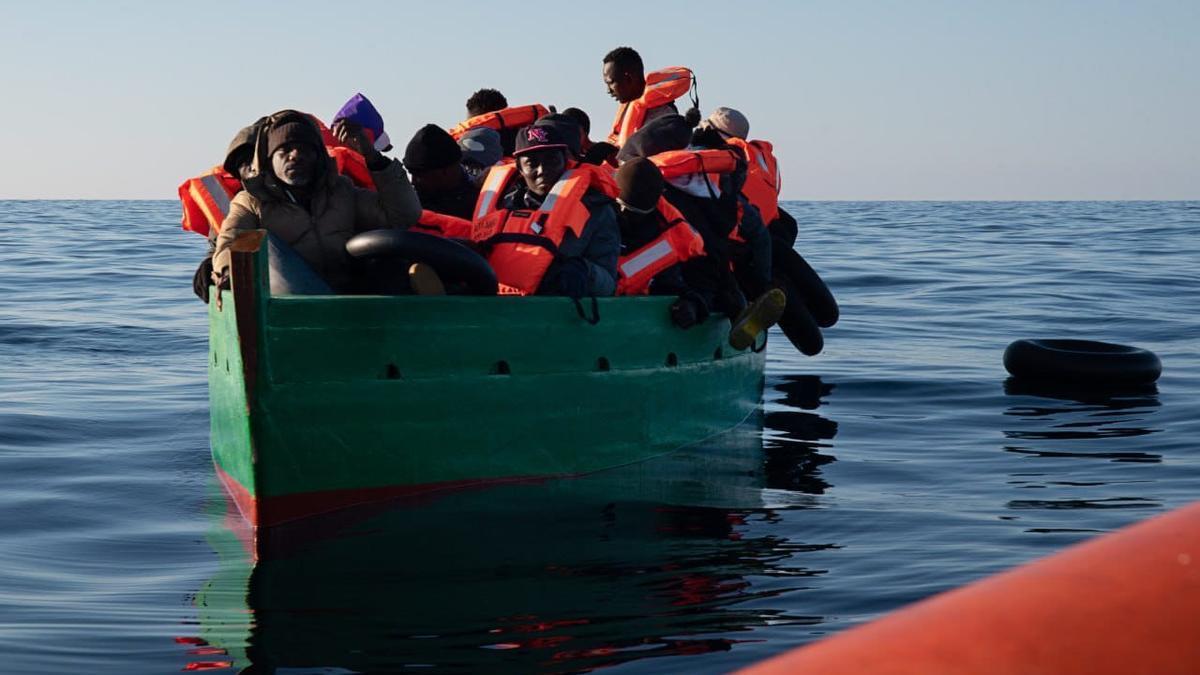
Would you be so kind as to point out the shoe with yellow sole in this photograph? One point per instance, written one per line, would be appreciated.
(758, 316)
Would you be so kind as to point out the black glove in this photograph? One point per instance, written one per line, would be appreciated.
(688, 310)
(573, 278)
(203, 278)
(599, 152)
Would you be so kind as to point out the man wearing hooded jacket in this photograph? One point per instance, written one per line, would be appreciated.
(239, 162)
(297, 196)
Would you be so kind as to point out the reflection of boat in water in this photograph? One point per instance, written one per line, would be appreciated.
(562, 576)
(319, 402)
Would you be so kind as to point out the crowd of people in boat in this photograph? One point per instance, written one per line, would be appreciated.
(667, 204)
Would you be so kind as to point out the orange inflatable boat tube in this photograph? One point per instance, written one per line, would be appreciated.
(1125, 603)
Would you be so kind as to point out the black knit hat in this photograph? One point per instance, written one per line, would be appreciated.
(298, 131)
(539, 137)
(640, 183)
(431, 147)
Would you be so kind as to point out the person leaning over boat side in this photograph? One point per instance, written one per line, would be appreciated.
(434, 161)
(297, 196)
(711, 201)
(547, 223)
(763, 180)
(480, 151)
(206, 199)
(660, 252)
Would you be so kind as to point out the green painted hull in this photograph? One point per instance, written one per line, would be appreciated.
(320, 402)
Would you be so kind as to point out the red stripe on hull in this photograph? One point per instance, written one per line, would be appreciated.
(246, 502)
(271, 511)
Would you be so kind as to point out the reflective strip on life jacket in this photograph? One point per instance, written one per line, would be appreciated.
(508, 118)
(443, 225)
(493, 189)
(662, 87)
(206, 200)
(677, 243)
(559, 188)
(763, 181)
(524, 243)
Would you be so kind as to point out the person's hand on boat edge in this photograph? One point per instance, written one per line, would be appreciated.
(688, 310)
(202, 278)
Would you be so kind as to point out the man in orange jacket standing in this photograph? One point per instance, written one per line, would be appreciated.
(643, 97)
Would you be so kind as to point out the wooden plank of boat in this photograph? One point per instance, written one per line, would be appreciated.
(322, 402)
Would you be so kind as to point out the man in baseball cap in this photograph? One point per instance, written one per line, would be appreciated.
(584, 264)
(481, 149)
(729, 123)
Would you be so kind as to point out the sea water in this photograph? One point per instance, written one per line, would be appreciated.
(898, 463)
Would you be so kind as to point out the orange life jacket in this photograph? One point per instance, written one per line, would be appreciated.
(524, 243)
(678, 242)
(662, 87)
(442, 225)
(351, 165)
(762, 177)
(711, 163)
(206, 200)
(508, 118)
(496, 182)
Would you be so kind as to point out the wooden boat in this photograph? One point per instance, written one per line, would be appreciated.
(323, 402)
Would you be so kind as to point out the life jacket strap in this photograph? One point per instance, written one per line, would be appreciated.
(595, 317)
(522, 238)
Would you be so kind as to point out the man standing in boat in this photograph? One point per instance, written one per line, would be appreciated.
(298, 197)
(642, 97)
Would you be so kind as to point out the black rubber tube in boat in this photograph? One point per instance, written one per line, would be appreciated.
(1081, 361)
(453, 261)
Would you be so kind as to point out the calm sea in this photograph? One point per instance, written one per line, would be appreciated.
(898, 463)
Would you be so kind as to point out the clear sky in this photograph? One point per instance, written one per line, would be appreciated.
(914, 99)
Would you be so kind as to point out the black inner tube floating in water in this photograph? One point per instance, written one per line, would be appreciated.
(1081, 362)
(453, 261)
